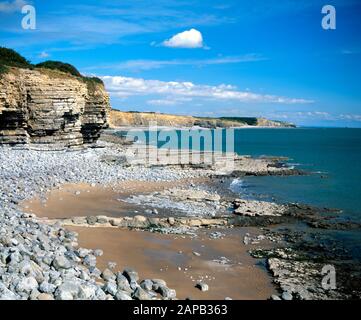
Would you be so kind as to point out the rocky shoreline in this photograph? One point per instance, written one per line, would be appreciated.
(41, 260)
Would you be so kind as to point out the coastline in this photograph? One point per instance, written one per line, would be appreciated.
(101, 166)
(114, 129)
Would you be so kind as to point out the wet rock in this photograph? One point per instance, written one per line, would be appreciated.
(102, 219)
(91, 220)
(80, 220)
(202, 286)
(131, 274)
(254, 208)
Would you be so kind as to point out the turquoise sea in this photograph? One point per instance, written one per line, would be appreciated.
(336, 153)
(332, 155)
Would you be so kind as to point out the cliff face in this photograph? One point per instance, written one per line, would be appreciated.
(121, 119)
(262, 122)
(50, 109)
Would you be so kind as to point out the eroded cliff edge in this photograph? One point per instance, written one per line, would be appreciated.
(129, 119)
(49, 109)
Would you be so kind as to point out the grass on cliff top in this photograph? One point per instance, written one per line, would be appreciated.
(60, 66)
(70, 69)
(10, 58)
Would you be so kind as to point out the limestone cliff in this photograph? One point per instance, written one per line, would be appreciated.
(50, 109)
(122, 119)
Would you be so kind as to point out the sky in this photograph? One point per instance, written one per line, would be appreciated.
(268, 58)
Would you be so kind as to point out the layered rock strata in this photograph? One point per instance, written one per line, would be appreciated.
(51, 110)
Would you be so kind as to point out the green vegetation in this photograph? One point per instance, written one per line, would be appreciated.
(10, 58)
(3, 69)
(93, 79)
(248, 120)
(92, 82)
(61, 66)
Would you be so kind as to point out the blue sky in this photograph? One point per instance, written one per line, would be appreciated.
(208, 58)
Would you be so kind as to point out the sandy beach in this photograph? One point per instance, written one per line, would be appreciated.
(223, 263)
(118, 231)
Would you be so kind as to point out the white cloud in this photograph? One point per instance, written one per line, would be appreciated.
(160, 102)
(190, 39)
(11, 6)
(139, 65)
(316, 116)
(351, 117)
(44, 55)
(126, 86)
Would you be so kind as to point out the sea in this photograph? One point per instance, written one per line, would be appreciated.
(332, 156)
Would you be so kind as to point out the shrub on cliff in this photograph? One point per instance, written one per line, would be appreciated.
(93, 79)
(61, 66)
(68, 68)
(11, 58)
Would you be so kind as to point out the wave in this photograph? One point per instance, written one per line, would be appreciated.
(237, 185)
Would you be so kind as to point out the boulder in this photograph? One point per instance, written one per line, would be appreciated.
(131, 274)
(141, 294)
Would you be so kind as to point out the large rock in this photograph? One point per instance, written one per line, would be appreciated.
(61, 262)
(50, 109)
(27, 285)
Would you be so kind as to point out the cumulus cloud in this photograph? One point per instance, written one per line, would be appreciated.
(189, 39)
(11, 6)
(126, 86)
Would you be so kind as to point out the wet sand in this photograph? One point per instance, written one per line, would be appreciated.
(94, 201)
(168, 257)
(156, 256)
